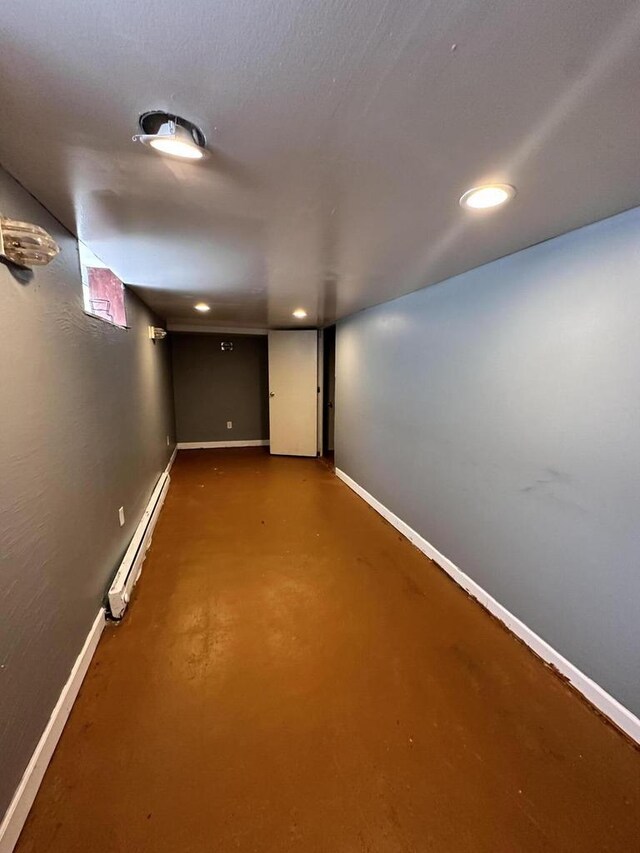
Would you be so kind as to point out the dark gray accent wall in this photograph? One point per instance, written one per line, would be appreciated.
(86, 409)
(498, 414)
(212, 387)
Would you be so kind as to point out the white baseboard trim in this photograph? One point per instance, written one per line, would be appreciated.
(25, 794)
(596, 695)
(202, 445)
(26, 791)
(130, 568)
(171, 460)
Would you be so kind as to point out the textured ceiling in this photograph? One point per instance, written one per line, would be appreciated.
(343, 133)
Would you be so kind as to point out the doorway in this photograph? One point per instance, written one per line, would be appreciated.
(328, 400)
(293, 392)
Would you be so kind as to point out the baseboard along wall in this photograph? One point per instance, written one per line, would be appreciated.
(596, 695)
(203, 445)
(26, 791)
(25, 794)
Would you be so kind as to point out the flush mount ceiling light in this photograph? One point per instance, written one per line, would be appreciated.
(486, 197)
(202, 307)
(25, 244)
(172, 135)
(299, 313)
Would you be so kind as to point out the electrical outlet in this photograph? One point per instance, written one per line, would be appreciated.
(121, 516)
(229, 424)
(168, 441)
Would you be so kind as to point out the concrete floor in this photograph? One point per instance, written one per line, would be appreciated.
(293, 675)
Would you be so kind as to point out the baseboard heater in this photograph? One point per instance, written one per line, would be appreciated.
(131, 566)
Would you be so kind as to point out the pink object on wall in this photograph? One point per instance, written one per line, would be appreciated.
(106, 295)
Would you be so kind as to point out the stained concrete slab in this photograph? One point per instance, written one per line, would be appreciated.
(294, 675)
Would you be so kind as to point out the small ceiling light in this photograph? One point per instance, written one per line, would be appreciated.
(171, 135)
(491, 195)
(175, 142)
(202, 307)
(25, 244)
(299, 313)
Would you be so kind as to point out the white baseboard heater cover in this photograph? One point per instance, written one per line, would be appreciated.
(131, 565)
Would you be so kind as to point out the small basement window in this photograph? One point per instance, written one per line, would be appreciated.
(102, 290)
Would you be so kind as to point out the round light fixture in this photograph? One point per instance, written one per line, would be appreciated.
(299, 313)
(202, 307)
(176, 145)
(172, 135)
(486, 197)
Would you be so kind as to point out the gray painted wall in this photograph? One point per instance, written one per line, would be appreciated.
(498, 414)
(212, 387)
(86, 409)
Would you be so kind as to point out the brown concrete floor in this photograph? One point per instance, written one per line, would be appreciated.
(295, 676)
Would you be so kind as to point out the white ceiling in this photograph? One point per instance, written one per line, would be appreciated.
(343, 132)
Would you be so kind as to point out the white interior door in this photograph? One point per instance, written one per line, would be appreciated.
(293, 392)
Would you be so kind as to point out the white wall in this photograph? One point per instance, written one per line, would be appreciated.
(498, 414)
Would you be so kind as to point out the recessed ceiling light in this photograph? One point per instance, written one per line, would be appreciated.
(171, 135)
(202, 307)
(491, 195)
(300, 313)
(176, 146)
